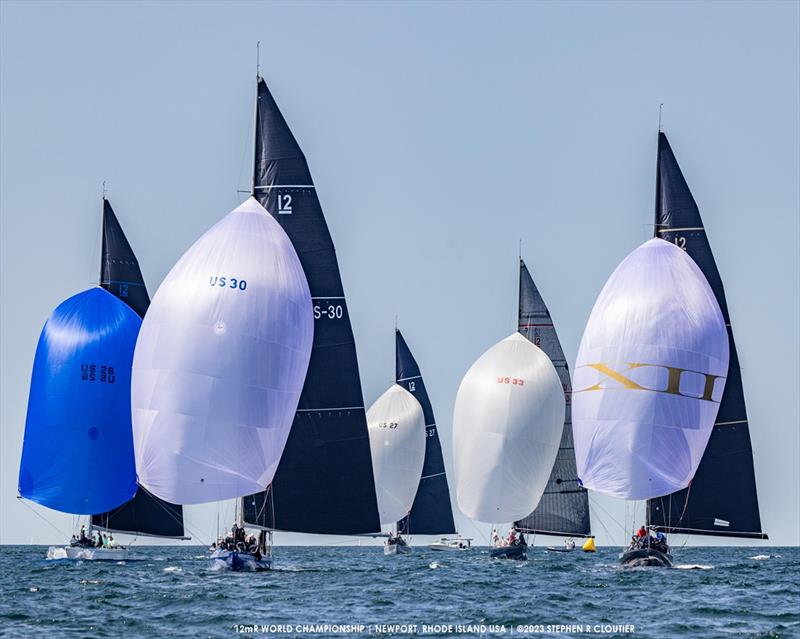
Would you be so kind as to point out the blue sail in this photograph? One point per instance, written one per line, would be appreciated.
(77, 455)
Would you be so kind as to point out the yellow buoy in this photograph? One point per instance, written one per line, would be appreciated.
(588, 545)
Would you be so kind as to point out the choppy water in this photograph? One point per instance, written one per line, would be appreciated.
(173, 591)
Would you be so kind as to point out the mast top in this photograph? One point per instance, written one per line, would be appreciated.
(258, 59)
(660, 107)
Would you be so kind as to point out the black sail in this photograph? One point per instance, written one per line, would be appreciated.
(120, 274)
(431, 512)
(324, 482)
(564, 507)
(721, 499)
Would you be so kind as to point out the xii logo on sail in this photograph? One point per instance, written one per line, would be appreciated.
(664, 379)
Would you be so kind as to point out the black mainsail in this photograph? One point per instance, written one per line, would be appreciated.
(324, 482)
(721, 499)
(564, 507)
(120, 274)
(431, 512)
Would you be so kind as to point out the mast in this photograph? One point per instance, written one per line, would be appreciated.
(431, 512)
(722, 499)
(324, 483)
(564, 507)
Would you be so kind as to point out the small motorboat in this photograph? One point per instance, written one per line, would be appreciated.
(456, 543)
(568, 546)
(87, 553)
(639, 557)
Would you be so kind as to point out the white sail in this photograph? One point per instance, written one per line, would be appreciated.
(397, 442)
(649, 375)
(220, 362)
(507, 425)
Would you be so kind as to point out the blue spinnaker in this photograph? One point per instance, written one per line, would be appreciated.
(77, 455)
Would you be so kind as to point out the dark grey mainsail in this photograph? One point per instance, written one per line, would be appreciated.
(721, 499)
(324, 482)
(431, 512)
(120, 274)
(564, 507)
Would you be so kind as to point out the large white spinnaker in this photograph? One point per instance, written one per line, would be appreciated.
(220, 362)
(507, 425)
(396, 425)
(649, 375)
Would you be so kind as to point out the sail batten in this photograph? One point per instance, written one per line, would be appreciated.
(724, 486)
(431, 512)
(324, 482)
(564, 507)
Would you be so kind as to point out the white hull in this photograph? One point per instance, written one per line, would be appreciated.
(87, 554)
(457, 545)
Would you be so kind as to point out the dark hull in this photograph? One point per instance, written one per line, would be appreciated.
(517, 552)
(645, 557)
(243, 561)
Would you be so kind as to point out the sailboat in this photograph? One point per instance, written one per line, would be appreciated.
(396, 426)
(721, 500)
(431, 513)
(649, 376)
(218, 369)
(507, 426)
(324, 483)
(77, 452)
(564, 507)
(145, 514)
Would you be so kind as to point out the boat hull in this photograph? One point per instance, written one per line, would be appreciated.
(396, 549)
(645, 557)
(238, 561)
(446, 546)
(78, 553)
(559, 549)
(518, 552)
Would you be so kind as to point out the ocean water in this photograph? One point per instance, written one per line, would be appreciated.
(174, 592)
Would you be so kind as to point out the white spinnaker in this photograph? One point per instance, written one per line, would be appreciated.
(649, 376)
(220, 362)
(397, 443)
(507, 425)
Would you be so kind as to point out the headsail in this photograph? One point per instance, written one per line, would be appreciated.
(324, 483)
(564, 508)
(507, 424)
(397, 440)
(220, 362)
(120, 275)
(722, 498)
(77, 454)
(649, 375)
(432, 512)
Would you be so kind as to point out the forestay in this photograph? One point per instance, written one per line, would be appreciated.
(396, 426)
(507, 425)
(221, 361)
(77, 455)
(649, 376)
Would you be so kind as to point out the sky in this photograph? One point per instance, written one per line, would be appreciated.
(439, 135)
